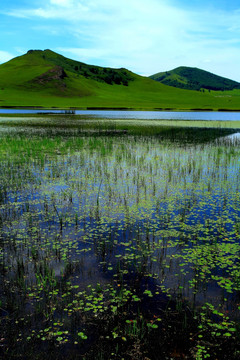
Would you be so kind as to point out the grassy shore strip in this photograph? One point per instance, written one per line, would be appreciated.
(126, 108)
(77, 121)
(184, 123)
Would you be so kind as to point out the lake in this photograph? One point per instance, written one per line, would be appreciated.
(119, 240)
(138, 115)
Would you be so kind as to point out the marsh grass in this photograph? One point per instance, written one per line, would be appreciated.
(118, 240)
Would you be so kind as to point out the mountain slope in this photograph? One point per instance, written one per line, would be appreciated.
(47, 79)
(49, 68)
(194, 79)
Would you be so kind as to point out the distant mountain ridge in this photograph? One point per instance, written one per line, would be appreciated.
(190, 78)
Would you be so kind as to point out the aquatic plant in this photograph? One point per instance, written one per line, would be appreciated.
(118, 240)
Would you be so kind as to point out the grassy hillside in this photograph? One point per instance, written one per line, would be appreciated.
(194, 79)
(47, 79)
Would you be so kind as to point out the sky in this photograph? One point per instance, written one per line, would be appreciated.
(144, 36)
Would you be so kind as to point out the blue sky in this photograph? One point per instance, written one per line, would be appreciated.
(145, 36)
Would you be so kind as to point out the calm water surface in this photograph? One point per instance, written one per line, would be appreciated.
(148, 115)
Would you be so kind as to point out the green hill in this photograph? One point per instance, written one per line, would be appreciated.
(194, 79)
(47, 79)
(46, 68)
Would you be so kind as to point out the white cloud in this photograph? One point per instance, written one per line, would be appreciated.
(64, 10)
(64, 3)
(83, 54)
(145, 37)
(5, 56)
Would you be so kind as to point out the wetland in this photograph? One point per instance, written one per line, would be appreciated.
(119, 239)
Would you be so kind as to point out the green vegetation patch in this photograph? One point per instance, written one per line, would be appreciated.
(195, 79)
(47, 79)
(117, 243)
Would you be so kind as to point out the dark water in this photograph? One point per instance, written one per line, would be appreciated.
(99, 232)
(147, 115)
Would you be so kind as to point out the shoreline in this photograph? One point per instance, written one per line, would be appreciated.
(97, 108)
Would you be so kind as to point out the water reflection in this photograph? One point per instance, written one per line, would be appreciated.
(139, 219)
